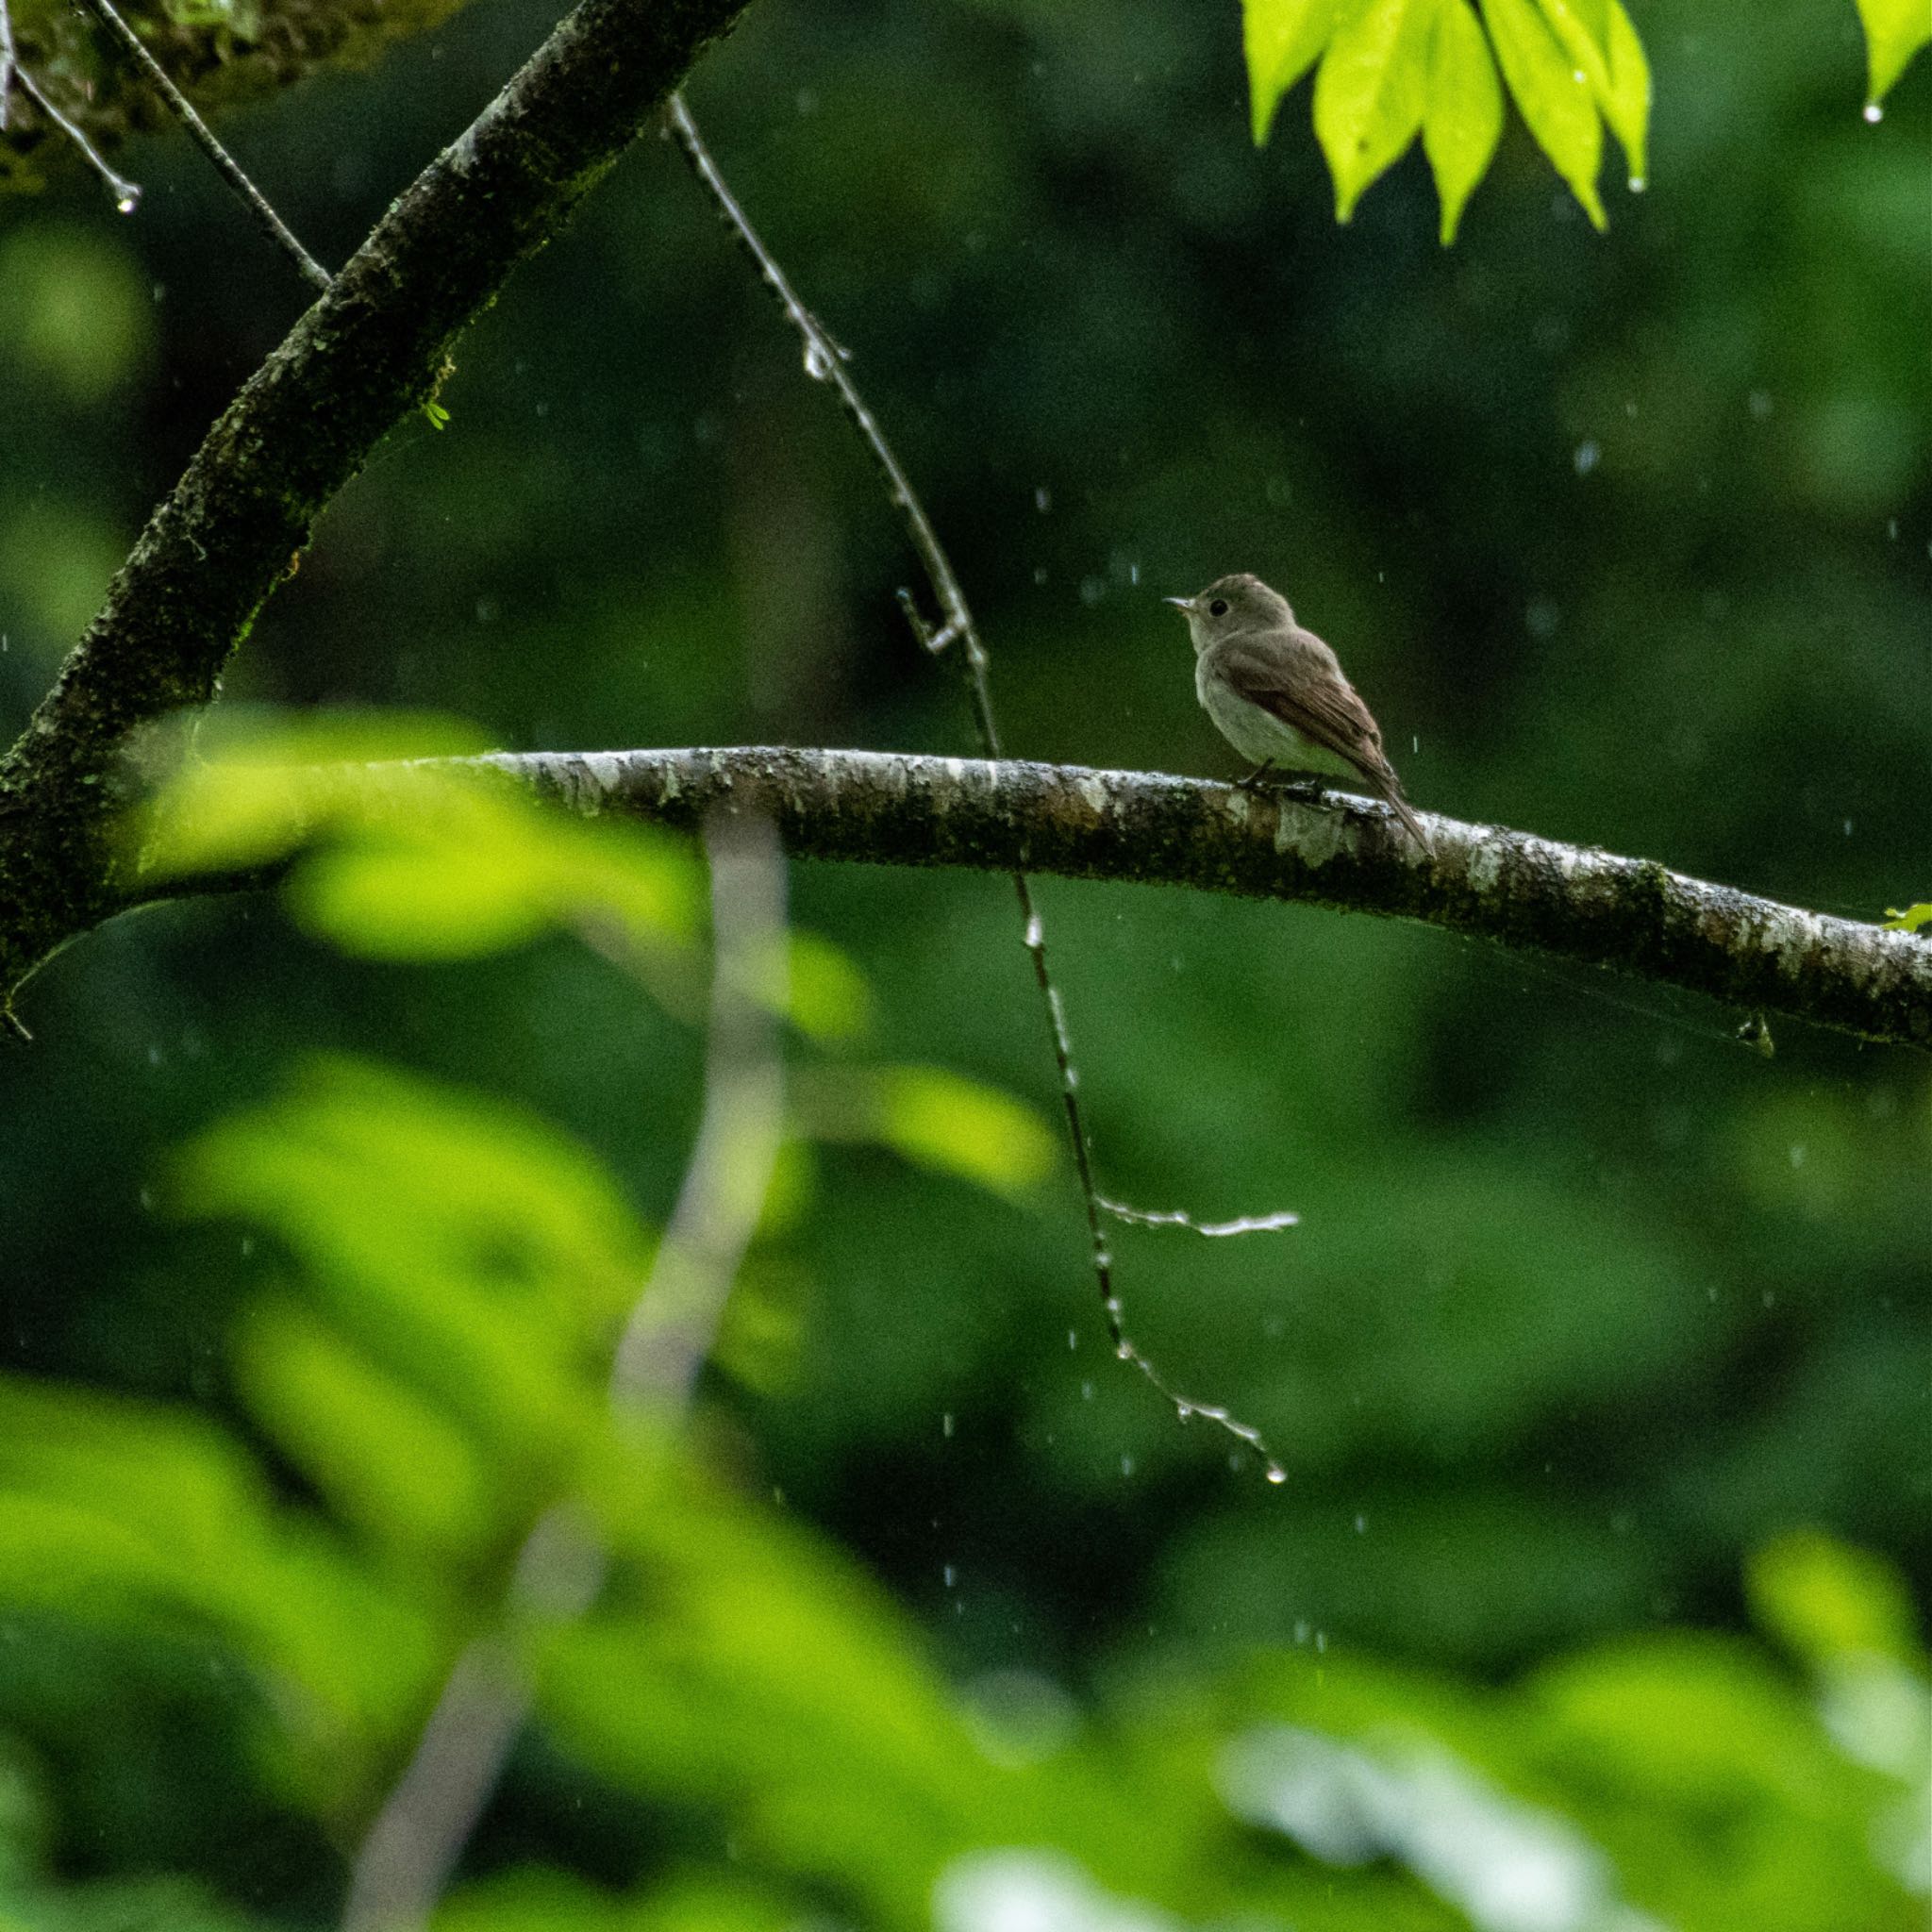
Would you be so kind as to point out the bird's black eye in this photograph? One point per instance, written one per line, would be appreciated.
(1218, 608)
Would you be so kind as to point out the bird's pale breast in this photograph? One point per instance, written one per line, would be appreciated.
(1258, 734)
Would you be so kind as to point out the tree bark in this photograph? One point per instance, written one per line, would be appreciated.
(1630, 915)
(371, 350)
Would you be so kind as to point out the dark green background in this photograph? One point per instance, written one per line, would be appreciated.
(1628, 538)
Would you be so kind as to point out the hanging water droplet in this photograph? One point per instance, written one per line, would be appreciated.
(818, 365)
(1638, 184)
(1276, 1473)
(1874, 112)
(128, 199)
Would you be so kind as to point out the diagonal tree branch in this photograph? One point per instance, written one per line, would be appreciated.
(370, 350)
(1633, 916)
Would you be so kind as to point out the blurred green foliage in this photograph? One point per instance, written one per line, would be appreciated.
(1602, 1342)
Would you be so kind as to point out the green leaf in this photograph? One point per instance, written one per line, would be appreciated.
(1553, 95)
(944, 1121)
(934, 1119)
(263, 784)
(1282, 39)
(1598, 38)
(1369, 94)
(1825, 1600)
(1463, 118)
(1894, 31)
(829, 998)
(388, 1461)
(1910, 920)
(1627, 105)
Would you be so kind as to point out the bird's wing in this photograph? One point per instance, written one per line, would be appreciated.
(1298, 680)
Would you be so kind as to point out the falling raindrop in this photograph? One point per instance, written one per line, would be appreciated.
(1588, 455)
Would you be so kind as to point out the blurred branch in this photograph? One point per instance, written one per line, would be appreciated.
(373, 348)
(1633, 916)
(416, 1838)
(671, 1328)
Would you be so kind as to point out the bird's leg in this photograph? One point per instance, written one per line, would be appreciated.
(1281, 778)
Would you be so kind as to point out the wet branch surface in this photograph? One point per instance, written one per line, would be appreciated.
(370, 350)
(1630, 915)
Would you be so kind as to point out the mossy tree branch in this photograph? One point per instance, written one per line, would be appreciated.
(372, 348)
(1633, 916)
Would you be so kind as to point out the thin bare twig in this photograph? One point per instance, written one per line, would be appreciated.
(1158, 1217)
(126, 193)
(418, 1836)
(826, 362)
(6, 62)
(225, 164)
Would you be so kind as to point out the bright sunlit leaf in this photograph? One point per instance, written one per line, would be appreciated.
(1827, 1600)
(258, 784)
(395, 858)
(1626, 100)
(944, 1121)
(1282, 39)
(1553, 95)
(936, 1119)
(389, 1462)
(829, 997)
(1369, 93)
(1894, 31)
(1462, 120)
(1597, 37)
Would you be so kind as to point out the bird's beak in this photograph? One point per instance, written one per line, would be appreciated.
(1179, 603)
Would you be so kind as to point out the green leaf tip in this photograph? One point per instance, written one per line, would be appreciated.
(1282, 39)
(1894, 31)
(1387, 70)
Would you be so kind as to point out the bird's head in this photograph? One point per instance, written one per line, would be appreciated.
(1229, 605)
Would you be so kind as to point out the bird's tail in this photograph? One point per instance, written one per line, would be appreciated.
(1391, 795)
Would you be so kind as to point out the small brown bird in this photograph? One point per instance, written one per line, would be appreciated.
(1277, 694)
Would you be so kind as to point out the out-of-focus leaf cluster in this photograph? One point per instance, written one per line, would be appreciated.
(419, 1377)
